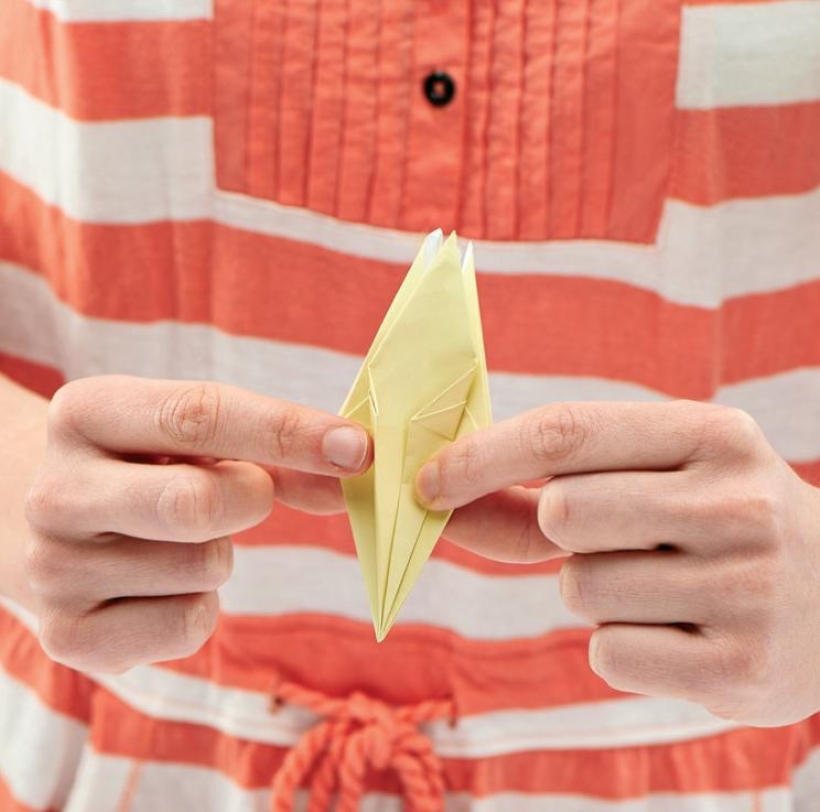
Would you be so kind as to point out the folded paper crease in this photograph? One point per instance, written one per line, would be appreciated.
(422, 385)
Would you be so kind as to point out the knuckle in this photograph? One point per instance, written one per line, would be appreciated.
(744, 431)
(44, 571)
(63, 638)
(212, 565)
(571, 586)
(46, 501)
(763, 513)
(189, 503)
(463, 467)
(726, 427)
(748, 512)
(190, 417)
(744, 588)
(738, 669)
(740, 683)
(528, 545)
(283, 431)
(556, 433)
(197, 622)
(553, 511)
(471, 463)
(68, 408)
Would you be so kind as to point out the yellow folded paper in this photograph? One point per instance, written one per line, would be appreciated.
(422, 385)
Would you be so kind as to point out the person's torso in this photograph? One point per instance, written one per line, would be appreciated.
(235, 192)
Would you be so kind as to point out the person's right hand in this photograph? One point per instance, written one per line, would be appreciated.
(142, 484)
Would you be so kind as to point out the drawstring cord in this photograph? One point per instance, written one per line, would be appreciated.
(358, 733)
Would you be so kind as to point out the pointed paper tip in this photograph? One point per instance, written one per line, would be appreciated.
(431, 245)
(468, 257)
(382, 628)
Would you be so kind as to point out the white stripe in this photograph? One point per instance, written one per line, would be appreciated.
(34, 325)
(164, 785)
(737, 54)
(198, 788)
(120, 171)
(807, 783)
(125, 10)
(39, 747)
(632, 721)
(140, 171)
(703, 256)
(104, 782)
(787, 408)
(276, 580)
(45, 764)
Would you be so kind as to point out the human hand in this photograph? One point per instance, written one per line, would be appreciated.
(142, 484)
(693, 547)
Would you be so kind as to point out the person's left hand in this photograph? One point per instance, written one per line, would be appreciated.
(693, 546)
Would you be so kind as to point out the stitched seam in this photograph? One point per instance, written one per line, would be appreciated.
(311, 112)
(584, 118)
(485, 136)
(343, 116)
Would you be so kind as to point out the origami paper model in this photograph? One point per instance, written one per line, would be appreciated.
(422, 385)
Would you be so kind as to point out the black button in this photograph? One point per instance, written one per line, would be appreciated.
(439, 88)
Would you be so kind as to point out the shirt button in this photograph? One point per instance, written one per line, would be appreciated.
(439, 88)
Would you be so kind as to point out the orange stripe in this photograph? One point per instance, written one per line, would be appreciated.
(810, 471)
(768, 333)
(749, 759)
(746, 152)
(163, 68)
(98, 71)
(42, 379)
(561, 325)
(62, 689)
(770, 754)
(416, 662)
(736, 761)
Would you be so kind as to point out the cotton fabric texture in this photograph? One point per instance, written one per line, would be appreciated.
(233, 191)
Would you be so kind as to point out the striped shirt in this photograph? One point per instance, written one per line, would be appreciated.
(227, 190)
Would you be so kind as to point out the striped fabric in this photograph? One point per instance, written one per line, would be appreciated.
(232, 190)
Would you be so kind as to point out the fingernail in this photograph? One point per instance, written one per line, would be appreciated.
(428, 483)
(345, 447)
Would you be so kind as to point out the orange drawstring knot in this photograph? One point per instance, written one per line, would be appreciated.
(358, 733)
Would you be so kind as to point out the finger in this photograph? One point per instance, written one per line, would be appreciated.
(563, 438)
(658, 661)
(502, 527)
(636, 587)
(132, 632)
(193, 419)
(163, 502)
(640, 510)
(84, 574)
(310, 493)
(635, 510)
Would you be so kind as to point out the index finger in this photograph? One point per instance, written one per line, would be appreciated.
(562, 438)
(129, 415)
